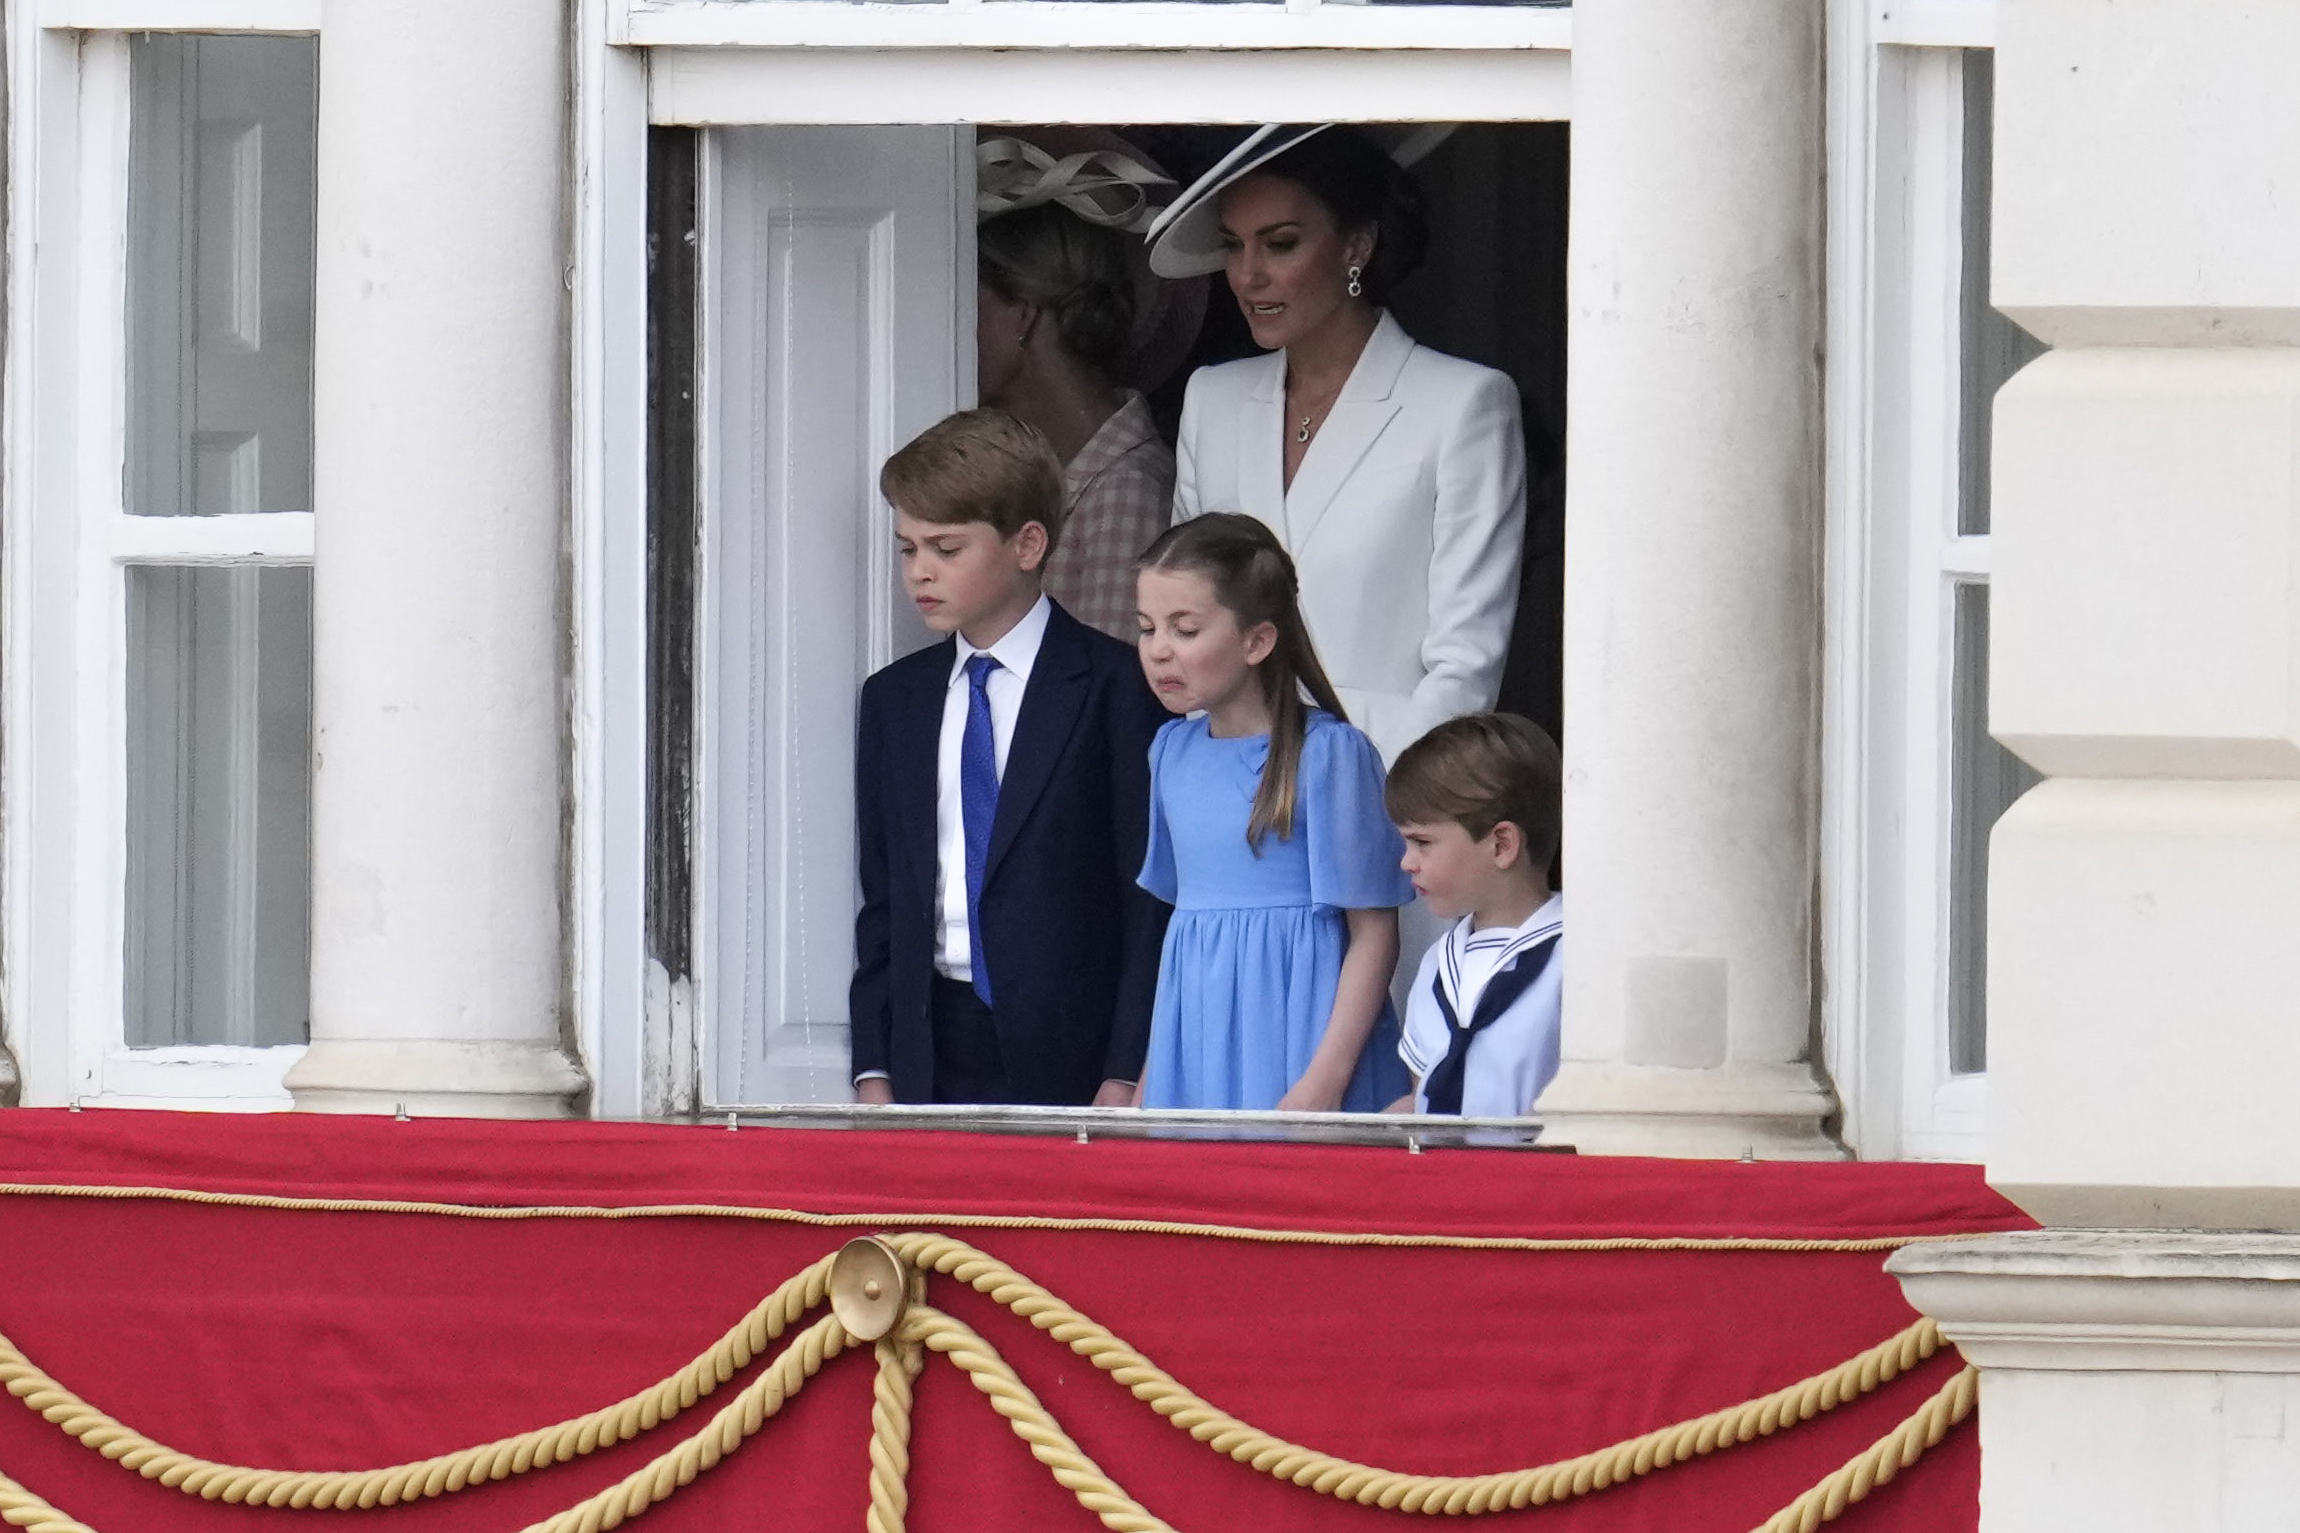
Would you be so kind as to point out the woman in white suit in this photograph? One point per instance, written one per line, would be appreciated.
(1394, 474)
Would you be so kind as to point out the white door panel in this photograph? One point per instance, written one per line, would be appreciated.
(838, 288)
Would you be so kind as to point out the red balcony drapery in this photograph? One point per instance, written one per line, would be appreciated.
(299, 1338)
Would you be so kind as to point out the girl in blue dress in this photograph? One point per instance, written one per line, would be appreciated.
(1268, 838)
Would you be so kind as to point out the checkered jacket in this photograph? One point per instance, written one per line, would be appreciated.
(1118, 494)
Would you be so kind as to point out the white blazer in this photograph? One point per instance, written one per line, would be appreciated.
(1405, 519)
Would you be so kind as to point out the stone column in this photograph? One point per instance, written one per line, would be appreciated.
(439, 975)
(11, 1084)
(1693, 597)
(2144, 977)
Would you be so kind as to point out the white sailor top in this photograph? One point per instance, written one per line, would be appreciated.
(1481, 1026)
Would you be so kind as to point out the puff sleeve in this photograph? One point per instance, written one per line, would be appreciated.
(1158, 875)
(1354, 850)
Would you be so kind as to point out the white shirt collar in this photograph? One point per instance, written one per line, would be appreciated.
(1550, 912)
(1475, 956)
(1016, 651)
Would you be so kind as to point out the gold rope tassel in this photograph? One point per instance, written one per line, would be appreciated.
(1048, 1443)
(900, 1358)
(1104, 1497)
(19, 1508)
(1888, 1456)
(736, 1421)
(1346, 1480)
(899, 1362)
(437, 1476)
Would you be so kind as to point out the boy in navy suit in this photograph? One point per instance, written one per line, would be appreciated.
(1003, 952)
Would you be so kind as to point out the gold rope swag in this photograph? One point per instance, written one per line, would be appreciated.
(877, 1288)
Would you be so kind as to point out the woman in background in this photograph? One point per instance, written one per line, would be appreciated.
(1070, 326)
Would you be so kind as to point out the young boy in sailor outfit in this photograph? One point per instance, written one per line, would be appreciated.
(1477, 802)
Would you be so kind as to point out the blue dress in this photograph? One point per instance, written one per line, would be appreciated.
(1254, 951)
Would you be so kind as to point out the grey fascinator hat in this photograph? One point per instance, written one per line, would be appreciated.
(1107, 181)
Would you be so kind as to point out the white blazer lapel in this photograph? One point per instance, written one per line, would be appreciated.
(1359, 416)
(1262, 448)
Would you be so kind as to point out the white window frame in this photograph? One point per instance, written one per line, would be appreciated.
(730, 87)
(631, 1017)
(1151, 25)
(1894, 558)
(66, 543)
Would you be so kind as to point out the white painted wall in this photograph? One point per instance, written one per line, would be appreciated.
(2139, 1376)
(2148, 616)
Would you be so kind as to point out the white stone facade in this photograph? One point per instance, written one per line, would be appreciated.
(2137, 1374)
(1760, 642)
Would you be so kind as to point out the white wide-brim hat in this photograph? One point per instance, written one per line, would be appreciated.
(1186, 238)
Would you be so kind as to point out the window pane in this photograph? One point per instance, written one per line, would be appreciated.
(219, 804)
(1984, 779)
(221, 235)
(1994, 347)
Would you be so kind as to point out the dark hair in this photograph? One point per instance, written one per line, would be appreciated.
(1362, 187)
(1254, 581)
(1478, 771)
(978, 466)
(1074, 271)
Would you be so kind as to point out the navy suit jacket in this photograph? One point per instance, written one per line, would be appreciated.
(1071, 942)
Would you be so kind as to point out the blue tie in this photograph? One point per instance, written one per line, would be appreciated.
(978, 805)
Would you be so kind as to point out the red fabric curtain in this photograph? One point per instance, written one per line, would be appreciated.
(310, 1340)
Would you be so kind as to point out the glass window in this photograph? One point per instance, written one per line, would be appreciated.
(1984, 779)
(1993, 347)
(221, 236)
(219, 804)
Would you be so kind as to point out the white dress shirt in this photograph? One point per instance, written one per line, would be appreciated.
(1016, 653)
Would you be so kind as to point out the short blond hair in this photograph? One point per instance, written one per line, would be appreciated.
(978, 466)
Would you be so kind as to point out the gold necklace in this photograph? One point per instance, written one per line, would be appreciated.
(1302, 431)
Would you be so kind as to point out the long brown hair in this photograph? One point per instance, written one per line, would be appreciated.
(1255, 583)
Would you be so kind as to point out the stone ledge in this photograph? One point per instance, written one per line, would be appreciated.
(436, 1077)
(1770, 1112)
(2125, 1301)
